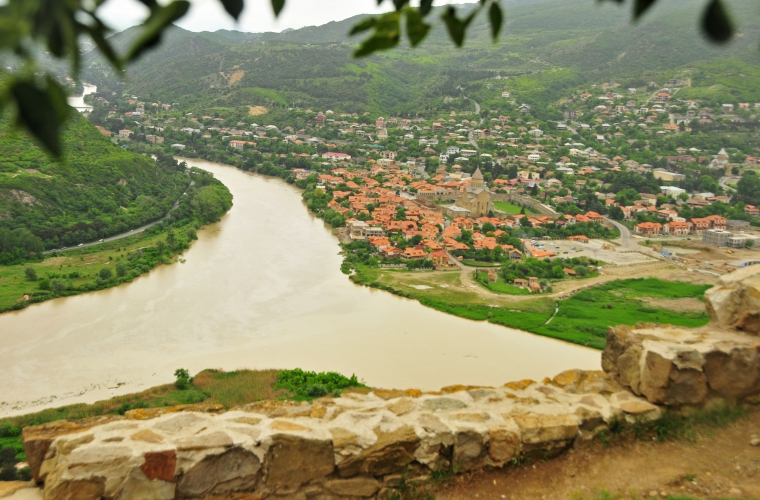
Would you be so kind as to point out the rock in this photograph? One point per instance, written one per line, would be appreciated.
(735, 373)
(284, 425)
(160, 465)
(343, 437)
(470, 450)
(401, 406)
(146, 436)
(443, 404)
(186, 422)
(581, 382)
(149, 413)
(294, 460)
(235, 470)
(139, 487)
(480, 416)
(735, 301)
(754, 442)
(641, 408)
(8, 488)
(38, 438)
(58, 488)
(520, 385)
(204, 441)
(735, 491)
(662, 382)
(394, 393)
(503, 445)
(392, 451)
(355, 486)
(66, 446)
(546, 433)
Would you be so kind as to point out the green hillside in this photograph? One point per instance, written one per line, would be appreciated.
(547, 47)
(97, 191)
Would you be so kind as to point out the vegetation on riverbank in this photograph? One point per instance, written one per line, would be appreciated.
(109, 264)
(581, 319)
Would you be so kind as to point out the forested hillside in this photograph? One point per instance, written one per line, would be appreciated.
(555, 45)
(98, 190)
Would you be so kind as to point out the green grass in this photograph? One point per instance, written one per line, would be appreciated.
(511, 208)
(582, 319)
(475, 263)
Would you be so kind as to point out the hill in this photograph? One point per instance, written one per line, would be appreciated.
(559, 44)
(97, 191)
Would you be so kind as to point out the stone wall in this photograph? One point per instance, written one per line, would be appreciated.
(362, 444)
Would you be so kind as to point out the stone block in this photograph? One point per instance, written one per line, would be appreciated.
(470, 450)
(294, 460)
(503, 445)
(735, 301)
(392, 451)
(543, 435)
(38, 438)
(235, 470)
(362, 486)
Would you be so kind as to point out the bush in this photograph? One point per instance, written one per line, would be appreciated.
(308, 385)
(183, 378)
(30, 273)
(121, 269)
(105, 274)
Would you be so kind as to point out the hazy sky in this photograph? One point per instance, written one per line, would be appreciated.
(208, 15)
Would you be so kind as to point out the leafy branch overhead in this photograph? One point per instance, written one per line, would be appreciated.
(58, 26)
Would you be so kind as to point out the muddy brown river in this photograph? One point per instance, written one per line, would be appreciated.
(260, 289)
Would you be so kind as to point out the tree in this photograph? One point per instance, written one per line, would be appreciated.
(121, 269)
(61, 25)
(30, 273)
(616, 213)
(748, 187)
(105, 274)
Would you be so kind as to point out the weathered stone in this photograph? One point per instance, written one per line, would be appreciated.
(503, 445)
(343, 437)
(520, 385)
(478, 394)
(57, 488)
(66, 446)
(637, 407)
(544, 435)
(147, 436)
(394, 393)
(655, 377)
(139, 487)
(8, 488)
(589, 420)
(735, 301)
(401, 406)
(160, 465)
(444, 404)
(355, 486)
(233, 471)
(733, 374)
(149, 413)
(284, 425)
(470, 450)
(38, 438)
(204, 441)
(480, 416)
(248, 420)
(180, 423)
(392, 451)
(297, 460)
(629, 368)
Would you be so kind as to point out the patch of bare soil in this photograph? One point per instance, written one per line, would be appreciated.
(257, 110)
(720, 463)
(684, 304)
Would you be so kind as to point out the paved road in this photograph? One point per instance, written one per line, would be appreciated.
(128, 233)
(723, 183)
(628, 242)
(470, 136)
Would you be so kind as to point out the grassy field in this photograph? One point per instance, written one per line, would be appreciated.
(582, 319)
(79, 266)
(511, 208)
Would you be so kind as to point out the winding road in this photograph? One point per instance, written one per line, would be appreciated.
(128, 233)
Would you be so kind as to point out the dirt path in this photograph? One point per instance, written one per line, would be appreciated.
(719, 464)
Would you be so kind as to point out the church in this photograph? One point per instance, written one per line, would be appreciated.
(476, 196)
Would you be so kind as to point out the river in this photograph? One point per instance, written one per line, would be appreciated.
(260, 289)
(77, 101)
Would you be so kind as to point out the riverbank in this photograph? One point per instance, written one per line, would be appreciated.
(94, 267)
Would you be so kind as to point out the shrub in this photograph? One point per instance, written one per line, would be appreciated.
(183, 378)
(30, 273)
(105, 274)
(309, 385)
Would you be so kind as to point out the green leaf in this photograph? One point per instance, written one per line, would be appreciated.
(457, 27)
(277, 6)
(641, 6)
(42, 111)
(425, 7)
(362, 26)
(386, 34)
(497, 19)
(716, 23)
(235, 7)
(416, 27)
(159, 20)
